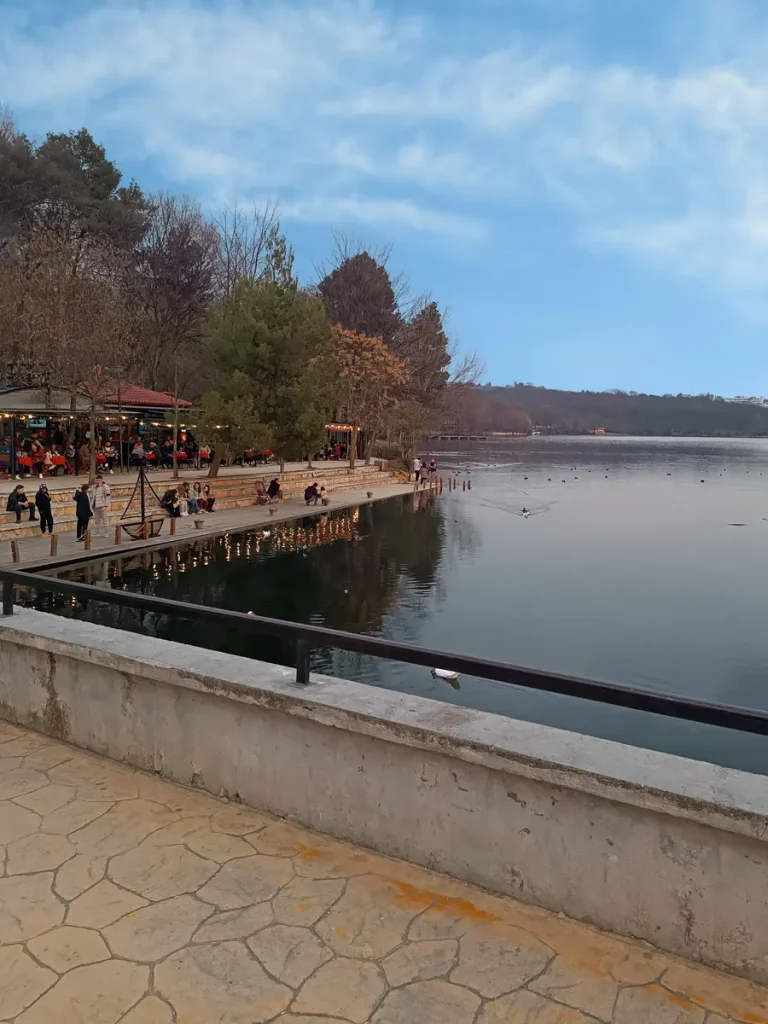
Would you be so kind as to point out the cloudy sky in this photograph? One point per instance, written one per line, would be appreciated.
(583, 184)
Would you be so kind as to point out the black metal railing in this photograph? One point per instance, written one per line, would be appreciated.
(308, 637)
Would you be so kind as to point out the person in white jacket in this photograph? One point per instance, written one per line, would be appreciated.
(100, 501)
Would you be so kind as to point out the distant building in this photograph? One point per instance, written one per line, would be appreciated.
(753, 400)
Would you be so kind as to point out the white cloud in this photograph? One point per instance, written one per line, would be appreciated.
(383, 213)
(348, 111)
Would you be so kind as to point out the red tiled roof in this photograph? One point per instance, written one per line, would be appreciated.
(131, 394)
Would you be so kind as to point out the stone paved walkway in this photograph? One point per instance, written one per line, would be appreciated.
(124, 898)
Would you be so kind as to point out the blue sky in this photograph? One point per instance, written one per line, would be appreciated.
(582, 184)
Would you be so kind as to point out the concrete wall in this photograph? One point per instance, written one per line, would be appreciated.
(637, 842)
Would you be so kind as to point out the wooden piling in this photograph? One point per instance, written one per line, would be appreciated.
(54, 544)
(15, 556)
(173, 527)
(87, 540)
(118, 534)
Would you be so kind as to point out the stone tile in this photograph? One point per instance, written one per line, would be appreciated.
(65, 948)
(98, 994)
(20, 781)
(289, 1018)
(498, 959)
(16, 822)
(96, 780)
(24, 744)
(101, 905)
(722, 993)
(278, 840)
(368, 921)
(73, 816)
(154, 932)
(28, 907)
(243, 882)
(182, 801)
(420, 961)
(450, 920)
(9, 764)
(324, 858)
(219, 846)
(179, 832)
(528, 1008)
(219, 983)
(48, 757)
(290, 954)
(234, 924)
(121, 828)
(79, 874)
(149, 1011)
(238, 821)
(49, 798)
(9, 732)
(349, 989)
(161, 872)
(304, 900)
(38, 852)
(428, 1002)
(22, 981)
(653, 1003)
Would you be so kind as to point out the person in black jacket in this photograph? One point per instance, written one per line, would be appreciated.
(83, 510)
(43, 503)
(18, 502)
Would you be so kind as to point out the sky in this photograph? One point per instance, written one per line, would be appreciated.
(581, 184)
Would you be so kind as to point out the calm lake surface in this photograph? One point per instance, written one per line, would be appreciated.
(629, 570)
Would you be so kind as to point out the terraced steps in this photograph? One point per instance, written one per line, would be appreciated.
(230, 493)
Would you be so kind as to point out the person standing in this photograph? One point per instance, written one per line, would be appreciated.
(432, 469)
(423, 469)
(416, 467)
(43, 504)
(83, 510)
(100, 498)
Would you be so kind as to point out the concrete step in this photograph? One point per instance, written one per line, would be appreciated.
(65, 519)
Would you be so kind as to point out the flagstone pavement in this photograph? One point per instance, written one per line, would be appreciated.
(124, 898)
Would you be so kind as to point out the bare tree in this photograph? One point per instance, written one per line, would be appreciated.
(174, 286)
(243, 247)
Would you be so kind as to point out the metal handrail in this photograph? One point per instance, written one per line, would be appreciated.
(307, 636)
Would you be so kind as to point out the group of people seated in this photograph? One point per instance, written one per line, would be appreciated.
(160, 456)
(195, 498)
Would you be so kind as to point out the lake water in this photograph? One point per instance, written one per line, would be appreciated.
(629, 569)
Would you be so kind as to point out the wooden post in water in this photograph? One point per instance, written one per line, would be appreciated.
(173, 527)
(463, 485)
(118, 534)
(15, 556)
(54, 544)
(87, 540)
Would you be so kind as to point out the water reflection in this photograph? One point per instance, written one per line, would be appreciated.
(627, 571)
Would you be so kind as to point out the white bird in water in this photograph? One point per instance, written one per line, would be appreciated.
(444, 673)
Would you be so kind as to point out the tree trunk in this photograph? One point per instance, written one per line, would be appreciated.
(175, 418)
(282, 465)
(353, 447)
(213, 469)
(92, 446)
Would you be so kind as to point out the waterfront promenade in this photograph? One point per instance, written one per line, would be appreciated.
(125, 899)
(37, 548)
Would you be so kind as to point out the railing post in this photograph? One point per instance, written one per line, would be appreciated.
(7, 597)
(54, 543)
(15, 554)
(302, 662)
(118, 534)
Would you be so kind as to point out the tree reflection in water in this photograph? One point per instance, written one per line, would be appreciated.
(353, 569)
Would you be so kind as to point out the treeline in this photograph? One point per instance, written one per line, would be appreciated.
(524, 407)
(101, 283)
